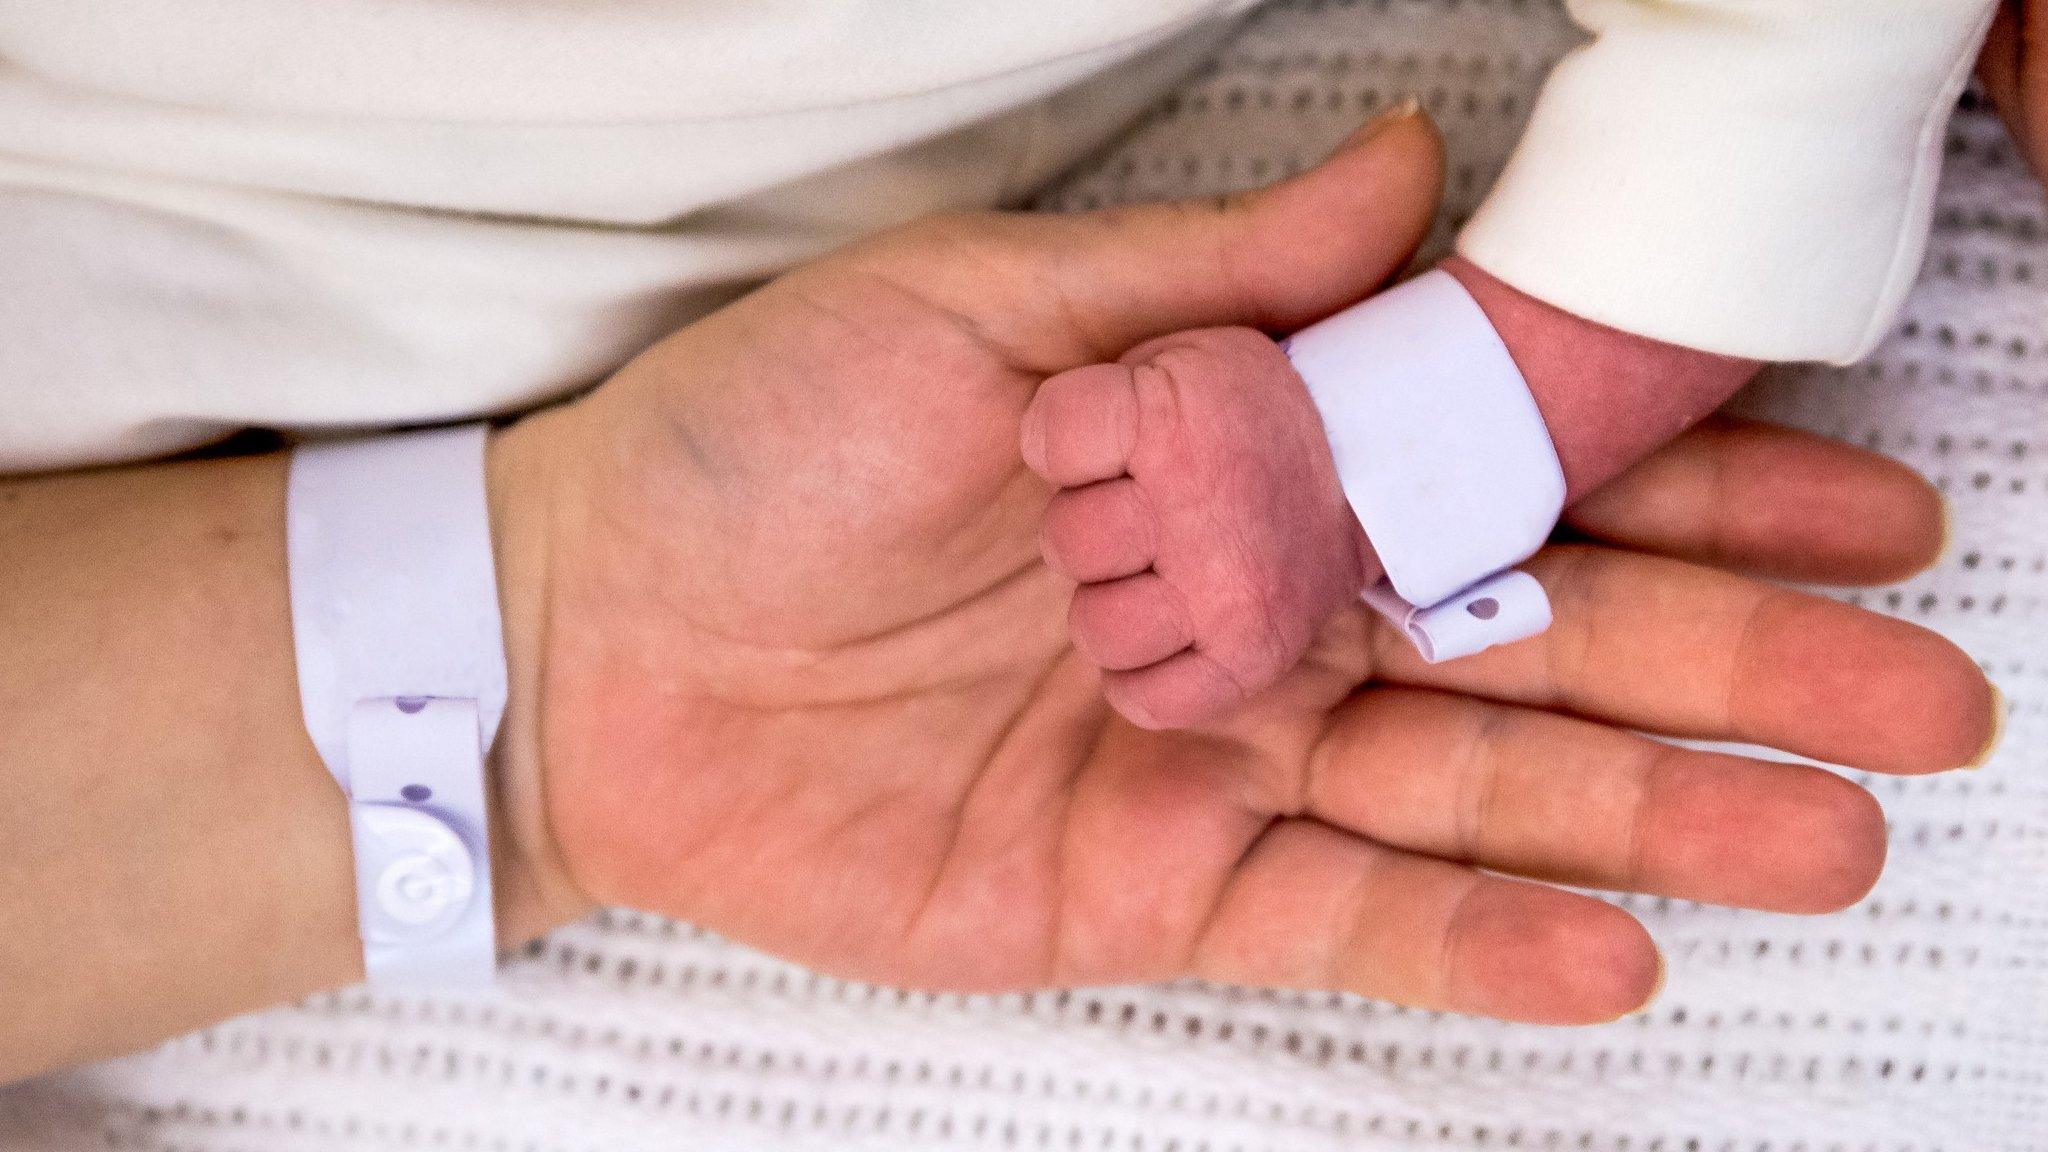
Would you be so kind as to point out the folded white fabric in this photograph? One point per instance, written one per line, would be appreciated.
(1749, 177)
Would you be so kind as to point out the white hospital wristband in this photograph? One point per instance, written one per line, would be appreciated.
(401, 663)
(1444, 457)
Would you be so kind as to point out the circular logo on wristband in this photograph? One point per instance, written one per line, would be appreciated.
(417, 889)
(419, 874)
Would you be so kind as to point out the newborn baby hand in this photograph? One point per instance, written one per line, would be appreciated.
(1200, 513)
(1199, 507)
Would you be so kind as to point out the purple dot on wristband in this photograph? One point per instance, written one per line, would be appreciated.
(411, 704)
(1485, 608)
(417, 793)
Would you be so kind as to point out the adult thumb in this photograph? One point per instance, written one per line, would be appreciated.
(2015, 76)
(1063, 290)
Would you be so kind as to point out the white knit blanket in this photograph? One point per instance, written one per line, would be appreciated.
(1915, 1022)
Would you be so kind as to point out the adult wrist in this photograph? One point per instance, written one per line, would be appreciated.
(534, 889)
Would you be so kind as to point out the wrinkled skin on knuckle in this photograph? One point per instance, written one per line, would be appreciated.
(1262, 542)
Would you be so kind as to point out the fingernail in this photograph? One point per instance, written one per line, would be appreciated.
(1663, 977)
(1948, 530)
(1656, 990)
(1407, 109)
(1031, 443)
(1997, 731)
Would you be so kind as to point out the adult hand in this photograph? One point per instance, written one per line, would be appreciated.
(2015, 74)
(802, 679)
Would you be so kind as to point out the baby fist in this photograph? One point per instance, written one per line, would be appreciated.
(1200, 513)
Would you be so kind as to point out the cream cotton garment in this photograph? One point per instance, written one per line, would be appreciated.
(345, 213)
(334, 214)
(1749, 177)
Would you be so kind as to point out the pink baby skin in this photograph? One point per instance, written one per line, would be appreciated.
(1198, 508)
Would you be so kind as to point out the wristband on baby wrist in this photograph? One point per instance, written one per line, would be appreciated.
(401, 664)
(1445, 459)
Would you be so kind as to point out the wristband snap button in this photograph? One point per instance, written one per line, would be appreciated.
(420, 875)
(416, 889)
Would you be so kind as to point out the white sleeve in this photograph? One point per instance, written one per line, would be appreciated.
(1749, 177)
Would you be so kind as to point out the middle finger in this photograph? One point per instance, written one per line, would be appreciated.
(1670, 647)
(1554, 798)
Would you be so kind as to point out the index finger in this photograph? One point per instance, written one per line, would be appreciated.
(1772, 501)
(1669, 647)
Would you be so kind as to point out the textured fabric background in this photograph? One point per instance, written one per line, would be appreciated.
(1915, 1022)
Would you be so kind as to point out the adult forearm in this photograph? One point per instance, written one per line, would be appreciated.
(172, 849)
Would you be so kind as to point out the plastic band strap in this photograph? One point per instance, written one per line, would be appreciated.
(1444, 457)
(401, 662)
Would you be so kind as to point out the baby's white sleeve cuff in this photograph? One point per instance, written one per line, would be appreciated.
(1749, 177)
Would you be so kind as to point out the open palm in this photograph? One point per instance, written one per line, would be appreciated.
(806, 682)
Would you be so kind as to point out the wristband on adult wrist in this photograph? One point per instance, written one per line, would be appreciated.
(401, 665)
(1445, 459)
